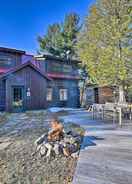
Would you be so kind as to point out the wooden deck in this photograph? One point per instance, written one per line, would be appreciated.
(108, 162)
(106, 154)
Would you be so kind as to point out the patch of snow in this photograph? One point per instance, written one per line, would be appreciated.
(4, 145)
(59, 109)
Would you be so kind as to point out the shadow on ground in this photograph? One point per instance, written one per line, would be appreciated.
(89, 141)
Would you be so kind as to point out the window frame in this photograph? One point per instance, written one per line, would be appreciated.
(49, 94)
(5, 61)
(63, 97)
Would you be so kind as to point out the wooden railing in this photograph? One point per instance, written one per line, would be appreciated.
(100, 110)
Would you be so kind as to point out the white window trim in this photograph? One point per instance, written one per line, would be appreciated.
(49, 94)
(63, 97)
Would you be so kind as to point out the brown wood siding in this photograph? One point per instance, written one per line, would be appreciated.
(14, 58)
(2, 95)
(28, 78)
(72, 89)
(105, 94)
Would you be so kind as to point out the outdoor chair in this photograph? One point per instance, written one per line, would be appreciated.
(97, 110)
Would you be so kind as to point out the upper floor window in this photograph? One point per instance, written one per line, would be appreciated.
(59, 68)
(55, 67)
(49, 94)
(67, 68)
(5, 61)
(63, 94)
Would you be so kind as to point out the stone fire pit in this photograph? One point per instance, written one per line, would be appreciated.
(58, 141)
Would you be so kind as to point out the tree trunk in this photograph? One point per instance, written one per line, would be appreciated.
(121, 95)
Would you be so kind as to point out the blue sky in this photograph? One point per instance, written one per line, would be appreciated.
(21, 21)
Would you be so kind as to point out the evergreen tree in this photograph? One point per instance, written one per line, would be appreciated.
(60, 39)
(70, 31)
(52, 41)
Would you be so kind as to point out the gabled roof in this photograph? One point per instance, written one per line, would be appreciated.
(19, 67)
(10, 50)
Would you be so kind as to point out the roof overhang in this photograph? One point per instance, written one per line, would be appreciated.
(12, 50)
(62, 76)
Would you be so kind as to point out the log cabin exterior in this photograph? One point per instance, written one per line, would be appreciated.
(37, 83)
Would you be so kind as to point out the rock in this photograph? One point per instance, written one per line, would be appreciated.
(78, 139)
(62, 143)
(67, 130)
(41, 139)
(43, 150)
(74, 134)
(69, 139)
(49, 149)
(56, 149)
(73, 148)
(75, 155)
(66, 152)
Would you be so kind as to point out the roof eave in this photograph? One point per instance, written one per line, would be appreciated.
(12, 50)
(44, 57)
(22, 66)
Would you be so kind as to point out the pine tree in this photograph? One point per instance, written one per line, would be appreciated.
(61, 38)
(70, 31)
(52, 41)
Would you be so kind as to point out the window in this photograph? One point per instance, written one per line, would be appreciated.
(49, 94)
(59, 67)
(55, 67)
(63, 94)
(5, 61)
(67, 68)
(17, 96)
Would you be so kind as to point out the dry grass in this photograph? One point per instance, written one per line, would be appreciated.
(18, 165)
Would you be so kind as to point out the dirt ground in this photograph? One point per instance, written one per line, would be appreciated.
(17, 164)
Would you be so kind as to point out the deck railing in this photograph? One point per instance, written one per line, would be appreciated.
(114, 109)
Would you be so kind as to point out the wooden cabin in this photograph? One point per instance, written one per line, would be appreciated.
(96, 94)
(44, 81)
(64, 90)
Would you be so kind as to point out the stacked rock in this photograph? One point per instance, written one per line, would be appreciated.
(58, 141)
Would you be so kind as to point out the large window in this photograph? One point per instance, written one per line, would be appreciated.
(49, 94)
(63, 94)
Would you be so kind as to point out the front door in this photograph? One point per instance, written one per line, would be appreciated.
(96, 95)
(17, 98)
